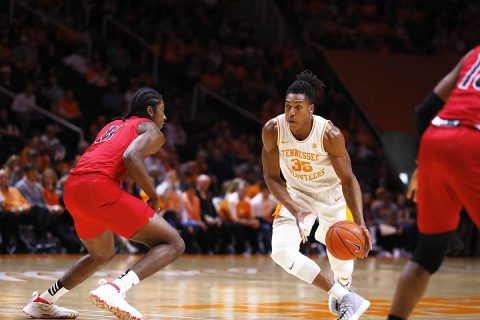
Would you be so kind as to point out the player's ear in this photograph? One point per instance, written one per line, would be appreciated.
(311, 108)
(150, 111)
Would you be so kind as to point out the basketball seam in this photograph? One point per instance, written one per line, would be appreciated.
(353, 254)
(350, 231)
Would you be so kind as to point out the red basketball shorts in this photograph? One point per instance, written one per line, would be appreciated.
(448, 178)
(97, 203)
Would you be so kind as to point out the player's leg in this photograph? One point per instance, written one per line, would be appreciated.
(100, 252)
(438, 215)
(342, 269)
(133, 219)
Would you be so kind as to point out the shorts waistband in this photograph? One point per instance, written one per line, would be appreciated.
(449, 123)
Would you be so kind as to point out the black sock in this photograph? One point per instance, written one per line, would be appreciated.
(54, 289)
(390, 317)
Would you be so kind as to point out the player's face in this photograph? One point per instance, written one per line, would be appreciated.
(298, 110)
(159, 115)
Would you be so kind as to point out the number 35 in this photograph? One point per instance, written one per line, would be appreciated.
(301, 165)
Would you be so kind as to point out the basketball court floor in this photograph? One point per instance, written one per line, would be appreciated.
(239, 287)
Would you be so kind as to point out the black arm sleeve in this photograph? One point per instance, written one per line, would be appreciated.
(424, 113)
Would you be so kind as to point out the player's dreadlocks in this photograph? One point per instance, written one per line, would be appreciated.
(143, 98)
(307, 83)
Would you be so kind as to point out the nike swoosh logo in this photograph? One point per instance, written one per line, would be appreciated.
(338, 198)
(292, 265)
(354, 244)
(283, 141)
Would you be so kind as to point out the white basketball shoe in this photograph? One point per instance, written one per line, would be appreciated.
(39, 308)
(108, 297)
(352, 306)
(332, 302)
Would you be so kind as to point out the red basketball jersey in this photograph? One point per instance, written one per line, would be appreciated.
(104, 156)
(464, 101)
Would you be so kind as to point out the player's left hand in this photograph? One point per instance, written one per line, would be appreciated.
(153, 203)
(368, 242)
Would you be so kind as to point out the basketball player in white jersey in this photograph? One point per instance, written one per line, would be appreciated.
(310, 153)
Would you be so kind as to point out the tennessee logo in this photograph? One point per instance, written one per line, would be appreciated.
(314, 145)
(284, 141)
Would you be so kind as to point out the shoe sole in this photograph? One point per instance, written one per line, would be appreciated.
(363, 307)
(47, 317)
(117, 312)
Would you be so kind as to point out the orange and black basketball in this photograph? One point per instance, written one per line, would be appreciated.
(345, 240)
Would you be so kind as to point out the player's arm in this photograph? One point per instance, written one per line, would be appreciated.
(271, 173)
(150, 139)
(429, 107)
(334, 145)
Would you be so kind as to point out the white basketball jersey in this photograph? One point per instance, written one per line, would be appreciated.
(305, 164)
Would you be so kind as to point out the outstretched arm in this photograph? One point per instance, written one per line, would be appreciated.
(150, 139)
(334, 144)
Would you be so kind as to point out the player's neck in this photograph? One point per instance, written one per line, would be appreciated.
(303, 132)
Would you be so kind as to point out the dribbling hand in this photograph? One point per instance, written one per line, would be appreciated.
(368, 243)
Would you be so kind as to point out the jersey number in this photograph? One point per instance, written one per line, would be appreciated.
(108, 134)
(472, 77)
(304, 166)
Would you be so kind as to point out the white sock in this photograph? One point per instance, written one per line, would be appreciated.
(127, 280)
(54, 293)
(345, 282)
(337, 291)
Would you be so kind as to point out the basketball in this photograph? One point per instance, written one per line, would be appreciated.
(345, 240)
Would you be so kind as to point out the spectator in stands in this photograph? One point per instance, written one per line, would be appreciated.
(68, 107)
(385, 216)
(192, 225)
(8, 130)
(208, 215)
(55, 148)
(263, 207)
(32, 191)
(170, 200)
(19, 211)
(245, 226)
(54, 93)
(23, 108)
(14, 168)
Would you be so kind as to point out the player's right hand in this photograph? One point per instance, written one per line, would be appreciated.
(153, 203)
(412, 187)
(299, 217)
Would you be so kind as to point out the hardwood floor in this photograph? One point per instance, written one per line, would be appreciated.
(239, 287)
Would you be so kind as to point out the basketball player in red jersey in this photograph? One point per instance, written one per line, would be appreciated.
(100, 208)
(448, 175)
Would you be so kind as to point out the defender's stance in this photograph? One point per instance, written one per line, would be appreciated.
(100, 208)
(310, 152)
(448, 175)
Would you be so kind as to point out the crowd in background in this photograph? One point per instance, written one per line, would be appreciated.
(208, 176)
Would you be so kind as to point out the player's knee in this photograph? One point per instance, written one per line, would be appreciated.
(178, 246)
(431, 250)
(281, 257)
(296, 264)
(101, 259)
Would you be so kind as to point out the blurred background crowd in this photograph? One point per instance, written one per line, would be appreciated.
(82, 60)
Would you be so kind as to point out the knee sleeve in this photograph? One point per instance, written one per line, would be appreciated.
(342, 268)
(296, 264)
(431, 250)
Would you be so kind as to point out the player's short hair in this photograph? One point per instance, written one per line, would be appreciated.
(141, 99)
(307, 83)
